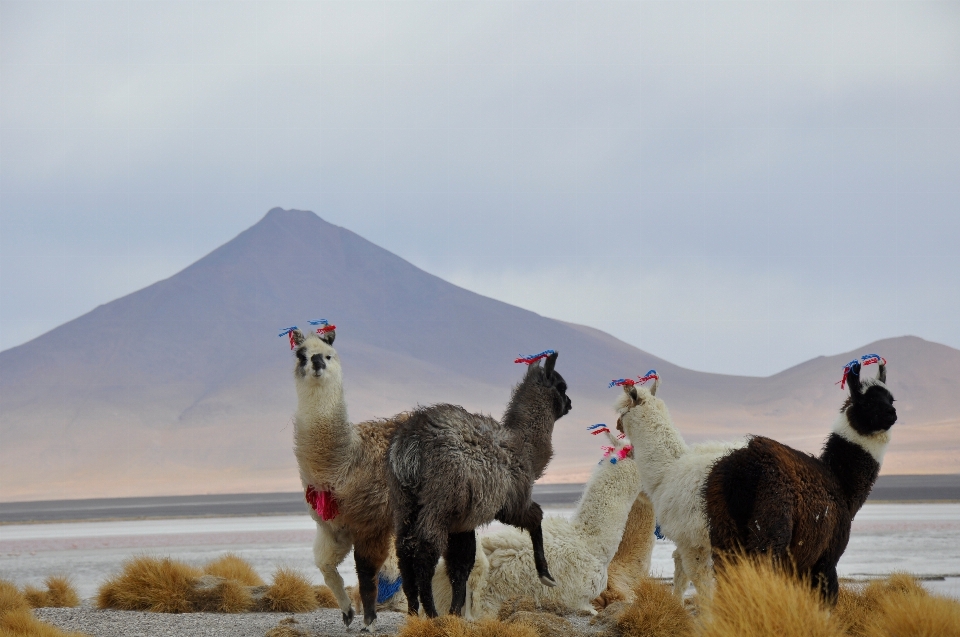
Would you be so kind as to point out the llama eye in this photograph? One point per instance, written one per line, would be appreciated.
(329, 357)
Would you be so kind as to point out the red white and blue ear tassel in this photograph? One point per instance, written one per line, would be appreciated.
(288, 331)
(866, 359)
(614, 452)
(533, 358)
(324, 326)
(642, 380)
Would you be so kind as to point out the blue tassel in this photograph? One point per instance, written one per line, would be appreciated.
(657, 533)
(319, 322)
(387, 589)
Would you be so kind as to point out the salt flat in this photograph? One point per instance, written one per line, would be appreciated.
(922, 539)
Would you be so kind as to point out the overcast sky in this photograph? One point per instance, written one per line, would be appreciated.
(734, 186)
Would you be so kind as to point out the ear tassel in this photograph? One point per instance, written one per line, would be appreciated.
(642, 380)
(866, 359)
(324, 326)
(289, 332)
(618, 453)
(533, 358)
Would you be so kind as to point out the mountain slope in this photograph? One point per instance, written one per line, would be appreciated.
(184, 387)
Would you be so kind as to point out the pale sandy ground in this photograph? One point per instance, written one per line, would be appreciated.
(922, 539)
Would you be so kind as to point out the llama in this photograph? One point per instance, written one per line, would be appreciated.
(579, 550)
(343, 471)
(673, 475)
(450, 471)
(769, 498)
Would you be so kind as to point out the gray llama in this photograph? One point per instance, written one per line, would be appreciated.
(450, 471)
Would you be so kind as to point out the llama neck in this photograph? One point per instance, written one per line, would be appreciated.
(656, 443)
(854, 459)
(323, 435)
(529, 419)
(602, 512)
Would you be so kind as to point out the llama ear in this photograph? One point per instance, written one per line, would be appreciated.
(551, 361)
(882, 373)
(656, 385)
(297, 336)
(328, 336)
(853, 380)
(631, 391)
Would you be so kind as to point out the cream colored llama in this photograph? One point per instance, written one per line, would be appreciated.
(579, 550)
(342, 468)
(673, 476)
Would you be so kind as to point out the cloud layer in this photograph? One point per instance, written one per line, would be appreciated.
(733, 186)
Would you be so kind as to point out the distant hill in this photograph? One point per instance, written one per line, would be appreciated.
(184, 388)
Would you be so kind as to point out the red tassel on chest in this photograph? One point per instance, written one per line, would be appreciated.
(323, 502)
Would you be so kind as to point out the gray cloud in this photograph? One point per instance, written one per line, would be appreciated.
(733, 186)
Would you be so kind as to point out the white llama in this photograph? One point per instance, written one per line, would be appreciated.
(673, 475)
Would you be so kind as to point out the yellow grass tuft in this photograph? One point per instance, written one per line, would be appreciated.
(22, 623)
(325, 598)
(159, 585)
(231, 566)
(11, 599)
(753, 599)
(290, 592)
(286, 628)
(897, 605)
(213, 594)
(914, 615)
(545, 624)
(59, 594)
(656, 613)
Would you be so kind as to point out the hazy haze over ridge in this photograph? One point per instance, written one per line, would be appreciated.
(735, 187)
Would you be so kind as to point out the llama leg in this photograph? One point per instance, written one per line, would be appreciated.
(329, 548)
(406, 560)
(427, 554)
(531, 519)
(369, 556)
(824, 578)
(701, 573)
(680, 579)
(461, 553)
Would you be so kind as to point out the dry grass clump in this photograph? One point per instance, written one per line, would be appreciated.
(213, 594)
(525, 603)
(286, 628)
(546, 624)
(290, 592)
(325, 598)
(59, 594)
(16, 616)
(895, 606)
(450, 626)
(11, 599)
(656, 613)
(754, 598)
(159, 585)
(231, 566)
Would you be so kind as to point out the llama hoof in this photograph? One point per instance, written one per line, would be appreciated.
(370, 628)
(348, 617)
(546, 580)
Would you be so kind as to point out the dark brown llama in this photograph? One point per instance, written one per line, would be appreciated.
(767, 498)
(450, 471)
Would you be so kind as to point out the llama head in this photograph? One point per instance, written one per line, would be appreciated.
(317, 361)
(548, 379)
(869, 409)
(637, 402)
